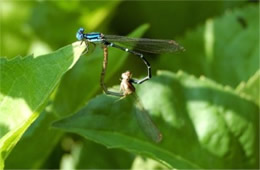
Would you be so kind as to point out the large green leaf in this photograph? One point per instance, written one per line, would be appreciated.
(225, 49)
(26, 84)
(76, 87)
(204, 124)
(251, 88)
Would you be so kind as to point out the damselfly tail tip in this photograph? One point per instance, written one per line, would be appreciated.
(179, 47)
(182, 49)
(159, 138)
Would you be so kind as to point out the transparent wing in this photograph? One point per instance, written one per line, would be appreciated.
(145, 44)
(145, 122)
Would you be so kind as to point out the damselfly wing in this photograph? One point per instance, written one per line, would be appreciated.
(142, 115)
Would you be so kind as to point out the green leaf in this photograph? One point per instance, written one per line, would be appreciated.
(251, 88)
(204, 124)
(26, 84)
(225, 49)
(83, 81)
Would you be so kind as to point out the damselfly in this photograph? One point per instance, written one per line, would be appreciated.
(140, 44)
(141, 113)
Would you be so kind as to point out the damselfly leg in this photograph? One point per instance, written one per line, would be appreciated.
(104, 67)
(149, 70)
(103, 73)
(86, 49)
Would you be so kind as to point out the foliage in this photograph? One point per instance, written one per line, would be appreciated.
(27, 84)
(218, 50)
(251, 88)
(52, 114)
(227, 137)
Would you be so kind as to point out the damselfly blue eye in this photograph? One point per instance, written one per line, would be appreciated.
(79, 36)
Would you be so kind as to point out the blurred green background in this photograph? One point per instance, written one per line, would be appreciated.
(40, 27)
(43, 26)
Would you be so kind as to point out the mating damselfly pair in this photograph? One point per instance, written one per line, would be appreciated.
(123, 43)
(140, 45)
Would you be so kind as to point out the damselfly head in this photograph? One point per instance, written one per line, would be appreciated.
(126, 75)
(80, 34)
